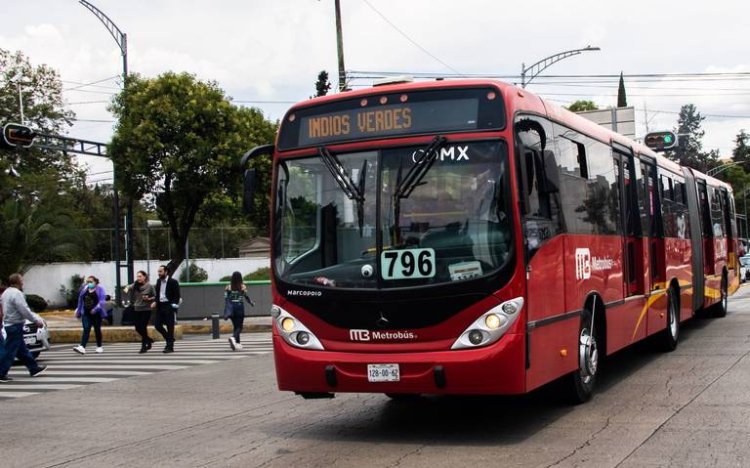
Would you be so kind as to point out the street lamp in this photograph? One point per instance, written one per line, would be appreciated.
(17, 79)
(122, 42)
(719, 169)
(541, 65)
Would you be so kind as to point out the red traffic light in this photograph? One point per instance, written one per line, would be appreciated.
(661, 141)
(17, 135)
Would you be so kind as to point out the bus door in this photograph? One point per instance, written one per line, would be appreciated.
(730, 232)
(632, 232)
(709, 252)
(655, 233)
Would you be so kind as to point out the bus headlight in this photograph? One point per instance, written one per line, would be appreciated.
(490, 326)
(293, 331)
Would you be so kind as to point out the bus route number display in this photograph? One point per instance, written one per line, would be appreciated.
(395, 119)
(407, 264)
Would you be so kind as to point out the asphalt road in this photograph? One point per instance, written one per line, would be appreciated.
(687, 408)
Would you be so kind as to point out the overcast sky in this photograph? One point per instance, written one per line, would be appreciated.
(267, 54)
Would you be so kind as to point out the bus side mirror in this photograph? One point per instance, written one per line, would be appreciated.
(248, 190)
(250, 178)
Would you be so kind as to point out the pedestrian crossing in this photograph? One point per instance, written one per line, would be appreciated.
(68, 369)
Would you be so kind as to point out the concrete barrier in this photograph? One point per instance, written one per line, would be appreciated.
(201, 300)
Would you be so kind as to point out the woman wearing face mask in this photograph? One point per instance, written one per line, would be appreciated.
(141, 294)
(91, 312)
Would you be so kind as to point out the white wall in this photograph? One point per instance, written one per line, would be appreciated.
(46, 280)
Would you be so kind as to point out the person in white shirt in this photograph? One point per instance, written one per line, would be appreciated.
(15, 313)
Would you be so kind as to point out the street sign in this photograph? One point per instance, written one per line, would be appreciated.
(661, 141)
(17, 135)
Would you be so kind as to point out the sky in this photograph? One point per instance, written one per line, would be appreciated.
(267, 54)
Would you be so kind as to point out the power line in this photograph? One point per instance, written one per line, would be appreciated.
(91, 84)
(408, 38)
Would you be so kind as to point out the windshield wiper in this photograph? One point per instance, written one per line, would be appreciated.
(352, 191)
(413, 178)
(419, 169)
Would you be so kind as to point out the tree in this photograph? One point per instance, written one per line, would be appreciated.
(582, 105)
(37, 216)
(322, 86)
(741, 151)
(622, 99)
(181, 139)
(689, 151)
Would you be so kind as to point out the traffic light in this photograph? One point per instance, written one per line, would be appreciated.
(17, 135)
(661, 141)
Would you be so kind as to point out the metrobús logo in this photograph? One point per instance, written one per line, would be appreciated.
(585, 263)
(376, 335)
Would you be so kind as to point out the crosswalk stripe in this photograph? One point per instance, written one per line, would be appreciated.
(68, 370)
(16, 394)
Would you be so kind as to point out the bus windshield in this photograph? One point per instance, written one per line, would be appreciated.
(453, 225)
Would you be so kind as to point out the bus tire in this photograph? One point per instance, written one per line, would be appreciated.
(583, 380)
(668, 338)
(719, 309)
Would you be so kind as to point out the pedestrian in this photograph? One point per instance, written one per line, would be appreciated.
(234, 307)
(91, 310)
(166, 305)
(15, 312)
(140, 295)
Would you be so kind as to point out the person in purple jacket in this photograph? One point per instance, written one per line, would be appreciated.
(91, 311)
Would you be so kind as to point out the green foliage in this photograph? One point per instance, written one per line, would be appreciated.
(741, 151)
(71, 295)
(258, 275)
(36, 303)
(197, 274)
(622, 99)
(582, 105)
(689, 151)
(180, 139)
(322, 86)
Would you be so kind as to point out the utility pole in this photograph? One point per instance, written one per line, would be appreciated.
(340, 46)
(122, 42)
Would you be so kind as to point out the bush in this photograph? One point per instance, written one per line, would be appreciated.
(259, 275)
(197, 274)
(71, 295)
(36, 303)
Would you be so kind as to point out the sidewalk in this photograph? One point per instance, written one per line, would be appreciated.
(65, 328)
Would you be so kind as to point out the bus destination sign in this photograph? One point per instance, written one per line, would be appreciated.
(396, 119)
(393, 115)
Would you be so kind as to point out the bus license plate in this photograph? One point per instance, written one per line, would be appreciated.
(383, 373)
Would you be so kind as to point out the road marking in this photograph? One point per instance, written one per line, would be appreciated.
(68, 370)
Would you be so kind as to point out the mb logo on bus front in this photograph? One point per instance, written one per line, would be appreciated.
(583, 263)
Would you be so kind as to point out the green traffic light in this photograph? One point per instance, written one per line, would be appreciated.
(667, 139)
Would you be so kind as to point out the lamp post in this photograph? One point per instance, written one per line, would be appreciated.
(719, 169)
(17, 78)
(533, 70)
(149, 224)
(122, 42)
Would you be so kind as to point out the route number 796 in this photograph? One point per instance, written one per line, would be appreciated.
(407, 264)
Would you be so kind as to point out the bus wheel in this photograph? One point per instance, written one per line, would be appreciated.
(670, 335)
(720, 308)
(583, 379)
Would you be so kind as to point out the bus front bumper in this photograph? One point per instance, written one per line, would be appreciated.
(498, 369)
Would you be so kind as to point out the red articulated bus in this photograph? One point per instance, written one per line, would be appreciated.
(467, 237)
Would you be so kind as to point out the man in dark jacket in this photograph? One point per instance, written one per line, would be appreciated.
(167, 302)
